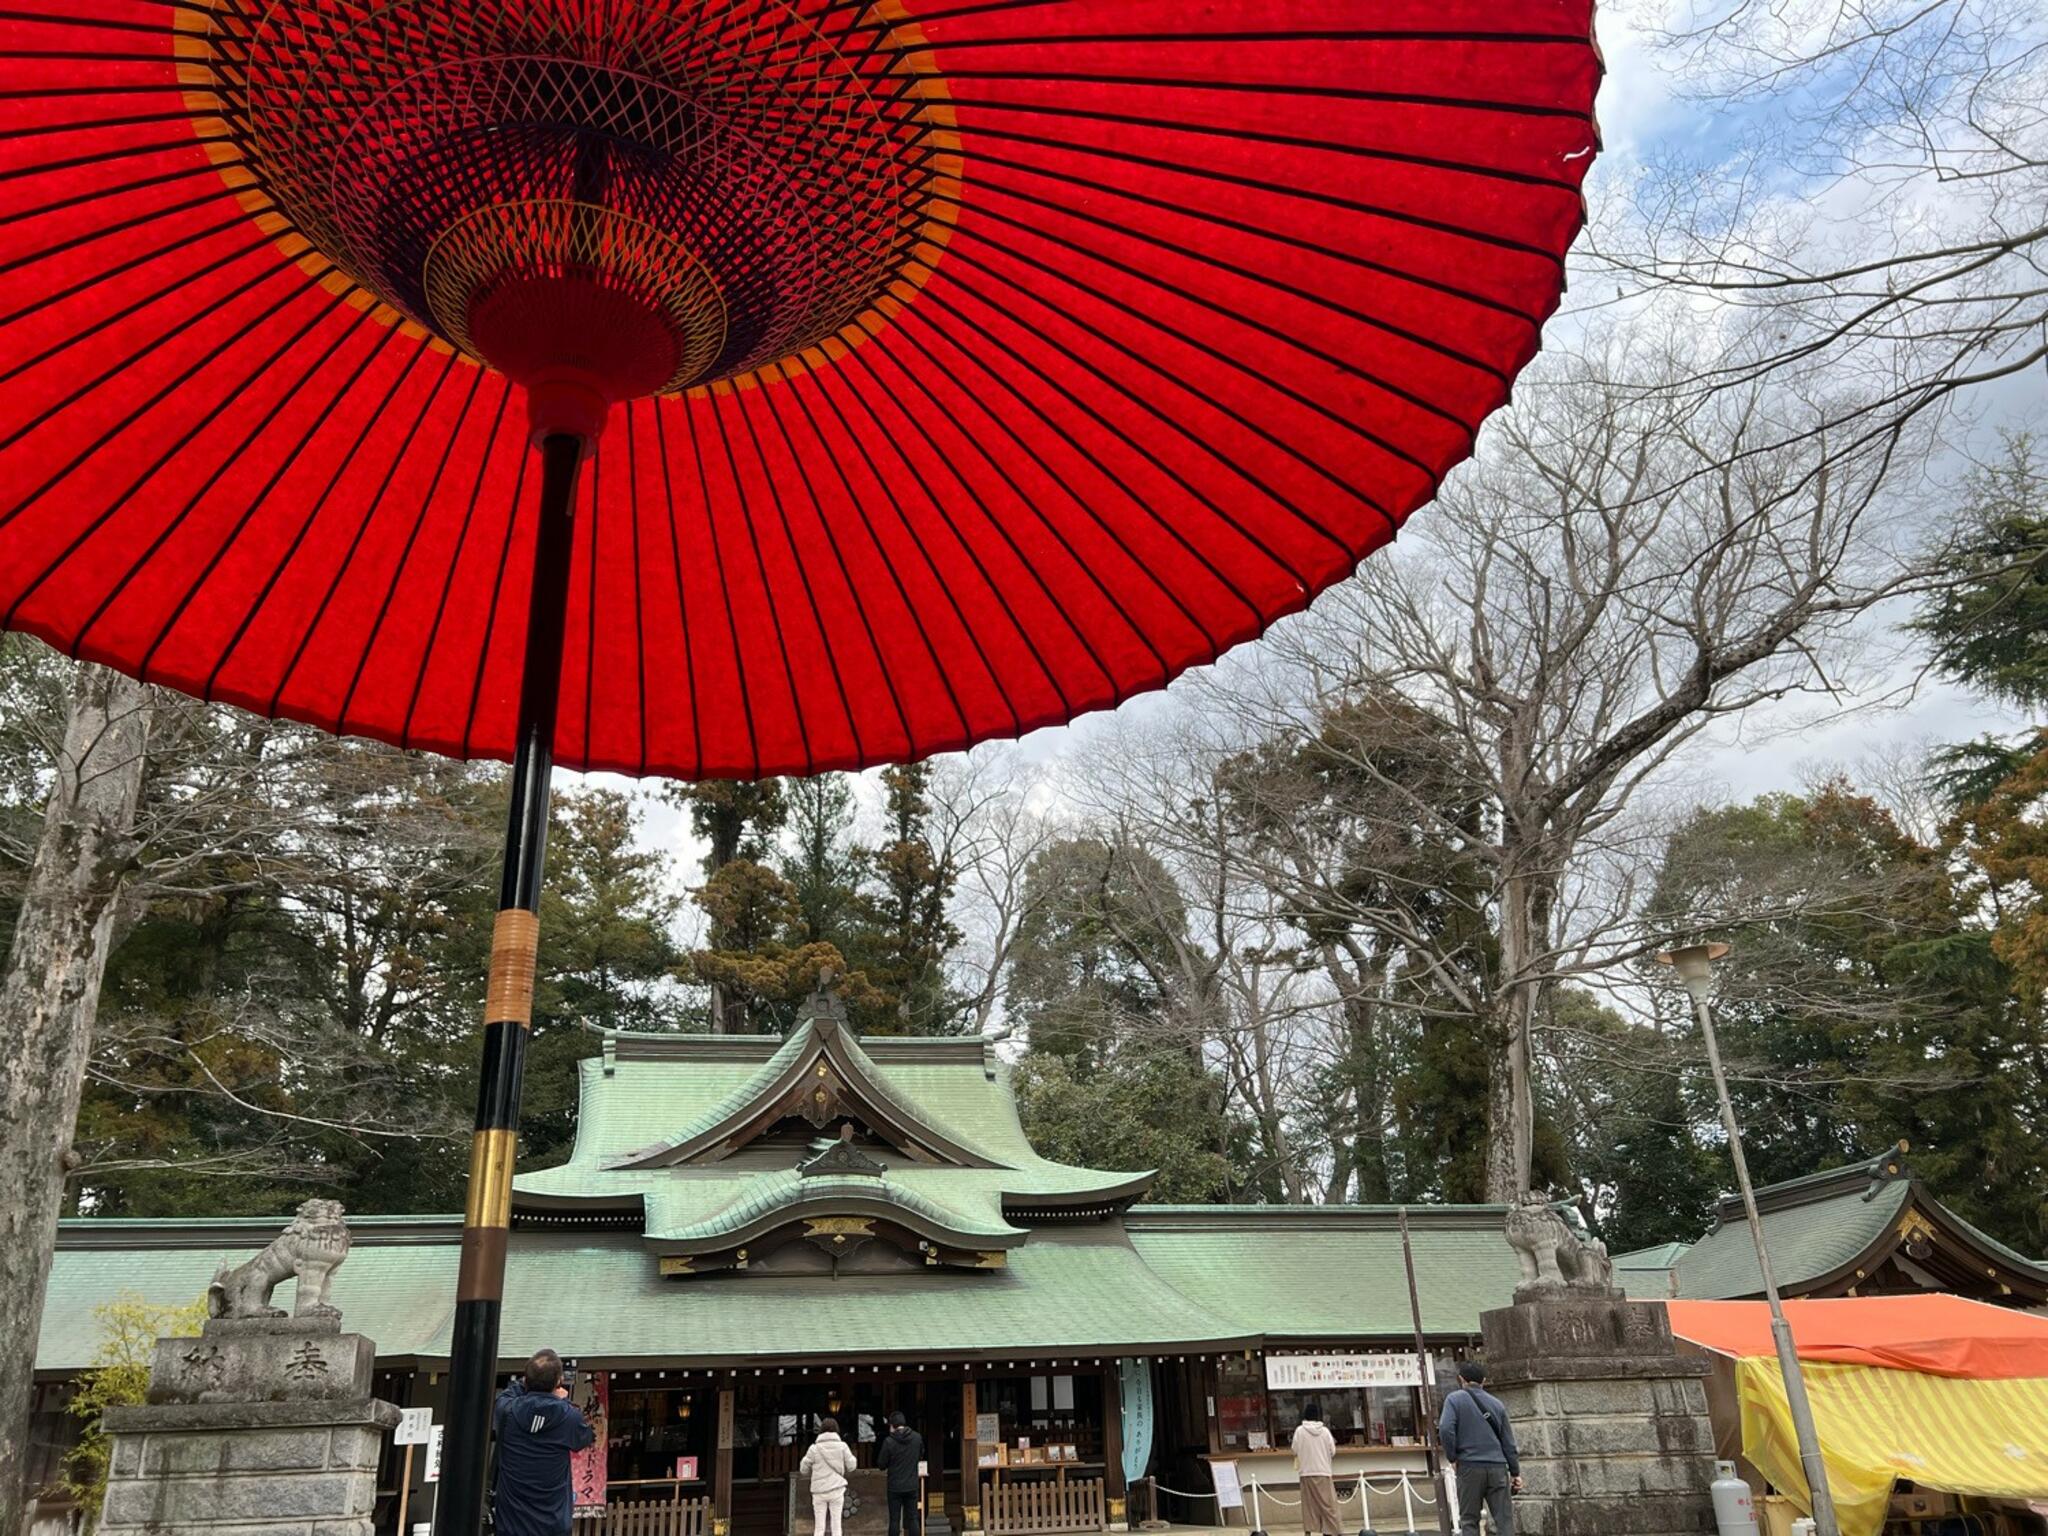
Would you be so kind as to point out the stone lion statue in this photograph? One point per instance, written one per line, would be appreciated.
(1553, 1256)
(312, 1248)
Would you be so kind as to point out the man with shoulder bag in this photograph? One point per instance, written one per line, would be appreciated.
(1479, 1443)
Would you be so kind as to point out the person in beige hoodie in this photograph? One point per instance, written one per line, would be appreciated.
(1315, 1451)
(828, 1463)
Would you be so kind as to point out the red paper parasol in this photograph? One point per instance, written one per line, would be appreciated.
(1018, 356)
(959, 366)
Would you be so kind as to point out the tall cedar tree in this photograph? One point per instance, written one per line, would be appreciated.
(1110, 1080)
(903, 932)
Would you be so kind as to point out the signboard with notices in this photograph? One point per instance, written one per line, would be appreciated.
(414, 1425)
(1229, 1493)
(1307, 1373)
(433, 1472)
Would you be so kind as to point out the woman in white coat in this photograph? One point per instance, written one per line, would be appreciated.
(827, 1464)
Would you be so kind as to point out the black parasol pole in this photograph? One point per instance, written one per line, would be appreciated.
(508, 1012)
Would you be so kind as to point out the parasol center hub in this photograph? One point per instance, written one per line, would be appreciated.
(575, 342)
(725, 183)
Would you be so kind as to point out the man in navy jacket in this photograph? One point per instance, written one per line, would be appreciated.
(1479, 1444)
(538, 1429)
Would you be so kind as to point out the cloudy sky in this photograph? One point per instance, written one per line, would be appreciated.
(1892, 711)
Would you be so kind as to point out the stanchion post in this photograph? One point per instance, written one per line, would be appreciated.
(1258, 1517)
(404, 1490)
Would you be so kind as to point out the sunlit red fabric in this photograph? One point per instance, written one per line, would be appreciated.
(1227, 289)
(1934, 1334)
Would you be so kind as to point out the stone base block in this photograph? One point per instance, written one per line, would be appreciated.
(245, 1469)
(1610, 1418)
(263, 1360)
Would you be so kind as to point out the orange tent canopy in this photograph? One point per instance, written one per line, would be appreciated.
(1934, 1334)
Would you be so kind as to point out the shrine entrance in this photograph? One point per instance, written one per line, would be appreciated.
(775, 1419)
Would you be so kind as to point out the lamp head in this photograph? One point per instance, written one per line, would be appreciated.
(1693, 962)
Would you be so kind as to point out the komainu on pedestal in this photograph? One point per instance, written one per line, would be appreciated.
(1611, 1418)
(264, 1424)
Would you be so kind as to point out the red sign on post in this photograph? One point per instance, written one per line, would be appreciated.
(587, 1468)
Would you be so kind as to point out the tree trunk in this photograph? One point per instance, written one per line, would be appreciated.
(1511, 1107)
(47, 1001)
(1511, 1112)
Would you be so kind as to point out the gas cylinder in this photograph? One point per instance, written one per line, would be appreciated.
(1734, 1513)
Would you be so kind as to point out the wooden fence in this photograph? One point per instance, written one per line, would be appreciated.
(648, 1517)
(1027, 1508)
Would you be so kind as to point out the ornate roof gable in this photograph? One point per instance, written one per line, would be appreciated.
(820, 1075)
(1869, 1228)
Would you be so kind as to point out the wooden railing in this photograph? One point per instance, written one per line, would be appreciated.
(1028, 1508)
(648, 1517)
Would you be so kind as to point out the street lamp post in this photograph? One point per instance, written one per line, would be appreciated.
(1693, 963)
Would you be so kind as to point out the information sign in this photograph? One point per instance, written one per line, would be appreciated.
(1229, 1494)
(1307, 1373)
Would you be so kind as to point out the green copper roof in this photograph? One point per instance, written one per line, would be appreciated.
(1645, 1273)
(1330, 1272)
(1662, 1256)
(600, 1296)
(771, 1198)
(1167, 1276)
(1808, 1242)
(654, 1089)
(1820, 1225)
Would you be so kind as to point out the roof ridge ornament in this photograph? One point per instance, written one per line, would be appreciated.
(824, 1010)
(1888, 1168)
(840, 1156)
(819, 1074)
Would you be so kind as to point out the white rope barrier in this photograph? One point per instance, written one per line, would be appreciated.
(1182, 1493)
(1412, 1491)
(1408, 1488)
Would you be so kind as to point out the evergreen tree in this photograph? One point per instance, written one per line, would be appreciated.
(1112, 1078)
(1989, 622)
(1864, 1004)
(1627, 1099)
(738, 821)
(903, 932)
(818, 859)
(1403, 1103)
(761, 965)
(608, 957)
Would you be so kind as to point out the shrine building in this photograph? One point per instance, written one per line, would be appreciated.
(1870, 1228)
(753, 1233)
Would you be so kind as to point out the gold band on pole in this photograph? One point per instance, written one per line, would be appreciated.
(515, 951)
(491, 1157)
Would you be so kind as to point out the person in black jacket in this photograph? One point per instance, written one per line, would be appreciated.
(901, 1455)
(538, 1429)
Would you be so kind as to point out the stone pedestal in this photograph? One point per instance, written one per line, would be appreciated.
(259, 1427)
(1611, 1420)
